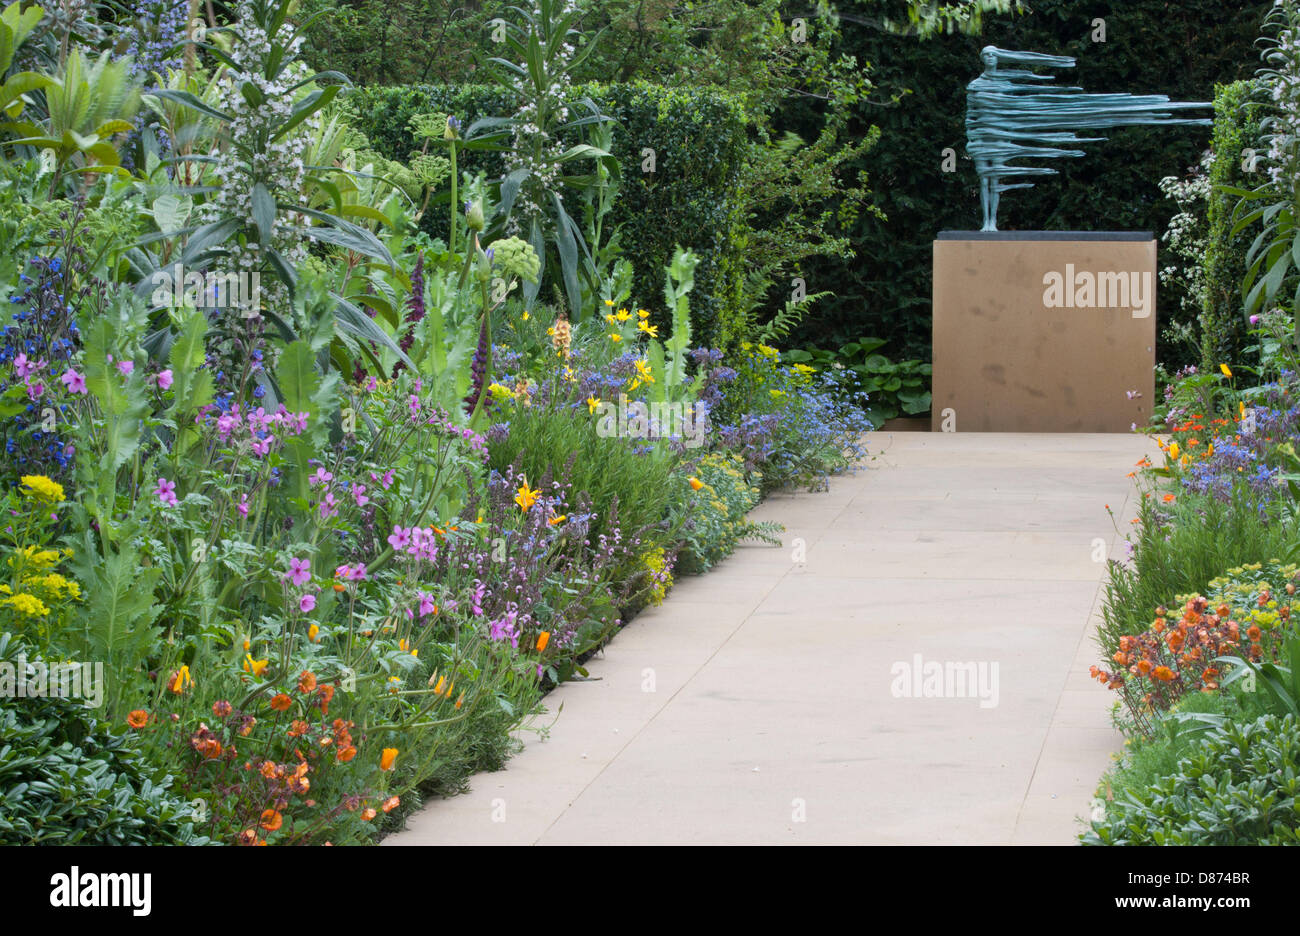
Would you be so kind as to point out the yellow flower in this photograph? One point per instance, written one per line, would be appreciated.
(1227, 371)
(525, 315)
(1173, 450)
(44, 488)
(592, 403)
(557, 520)
(642, 313)
(525, 497)
(387, 757)
(651, 330)
(255, 667)
(181, 680)
(615, 337)
(623, 315)
(312, 632)
(643, 371)
(26, 604)
(609, 302)
(696, 483)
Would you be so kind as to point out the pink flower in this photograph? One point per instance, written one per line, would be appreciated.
(299, 571)
(350, 573)
(125, 367)
(388, 478)
(74, 381)
(321, 477)
(359, 493)
(306, 603)
(166, 492)
(242, 506)
(426, 604)
(263, 446)
(329, 506)
(164, 379)
(400, 538)
(24, 367)
(35, 390)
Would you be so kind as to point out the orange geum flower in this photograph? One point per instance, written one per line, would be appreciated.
(345, 754)
(281, 702)
(138, 718)
(298, 728)
(1253, 632)
(269, 770)
(326, 696)
(1170, 498)
(1164, 673)
(1144, 667)
(391, 803)
(387, 758)
(307, 682)
(367, 814)
(271, 820)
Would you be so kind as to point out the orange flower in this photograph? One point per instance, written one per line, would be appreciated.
(386, 759)
(306, 682)
(281, 702)
(367, 814)
(1144, 667)
(1164, 673)
(696, 483)
(268, 770)
(542, 640)
(326, 696)
(1170, 498)
(138, 719)
(1253, 632)
(345, 754)
(271, 820)
(391, 803)
(298, 728)
(339, 586)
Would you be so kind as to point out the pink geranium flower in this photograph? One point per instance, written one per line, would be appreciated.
(306, 603)
(166, 492)
(164, 379)
(299, 571)
(74, 381)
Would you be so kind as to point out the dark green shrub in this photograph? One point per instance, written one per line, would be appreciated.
(699, 138)
(69, 779)
(1238, 785)
(1236, 128)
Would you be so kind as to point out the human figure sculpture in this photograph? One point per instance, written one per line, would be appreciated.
(1014, 113)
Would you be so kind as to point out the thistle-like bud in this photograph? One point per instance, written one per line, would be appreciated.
(474, 215)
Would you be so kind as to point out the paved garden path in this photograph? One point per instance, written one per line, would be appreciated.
(760, 703)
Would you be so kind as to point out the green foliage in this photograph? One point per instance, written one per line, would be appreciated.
(68, 779)
(1178, 549)
(699, 139)
(1236, 128)
(715, 513)
(893, 389)
(1238, 785)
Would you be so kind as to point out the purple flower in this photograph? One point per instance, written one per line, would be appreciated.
(242, 506)
(306, 603)
(321, 477)
(359, 494)
(299, 571)
(426, 604)
(74, 381)
(329, 506)
(400, 538)
(263, 446)
(166, 492)
(164, 379)
(125, 367)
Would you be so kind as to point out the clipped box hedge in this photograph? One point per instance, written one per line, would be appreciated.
(699, 140)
